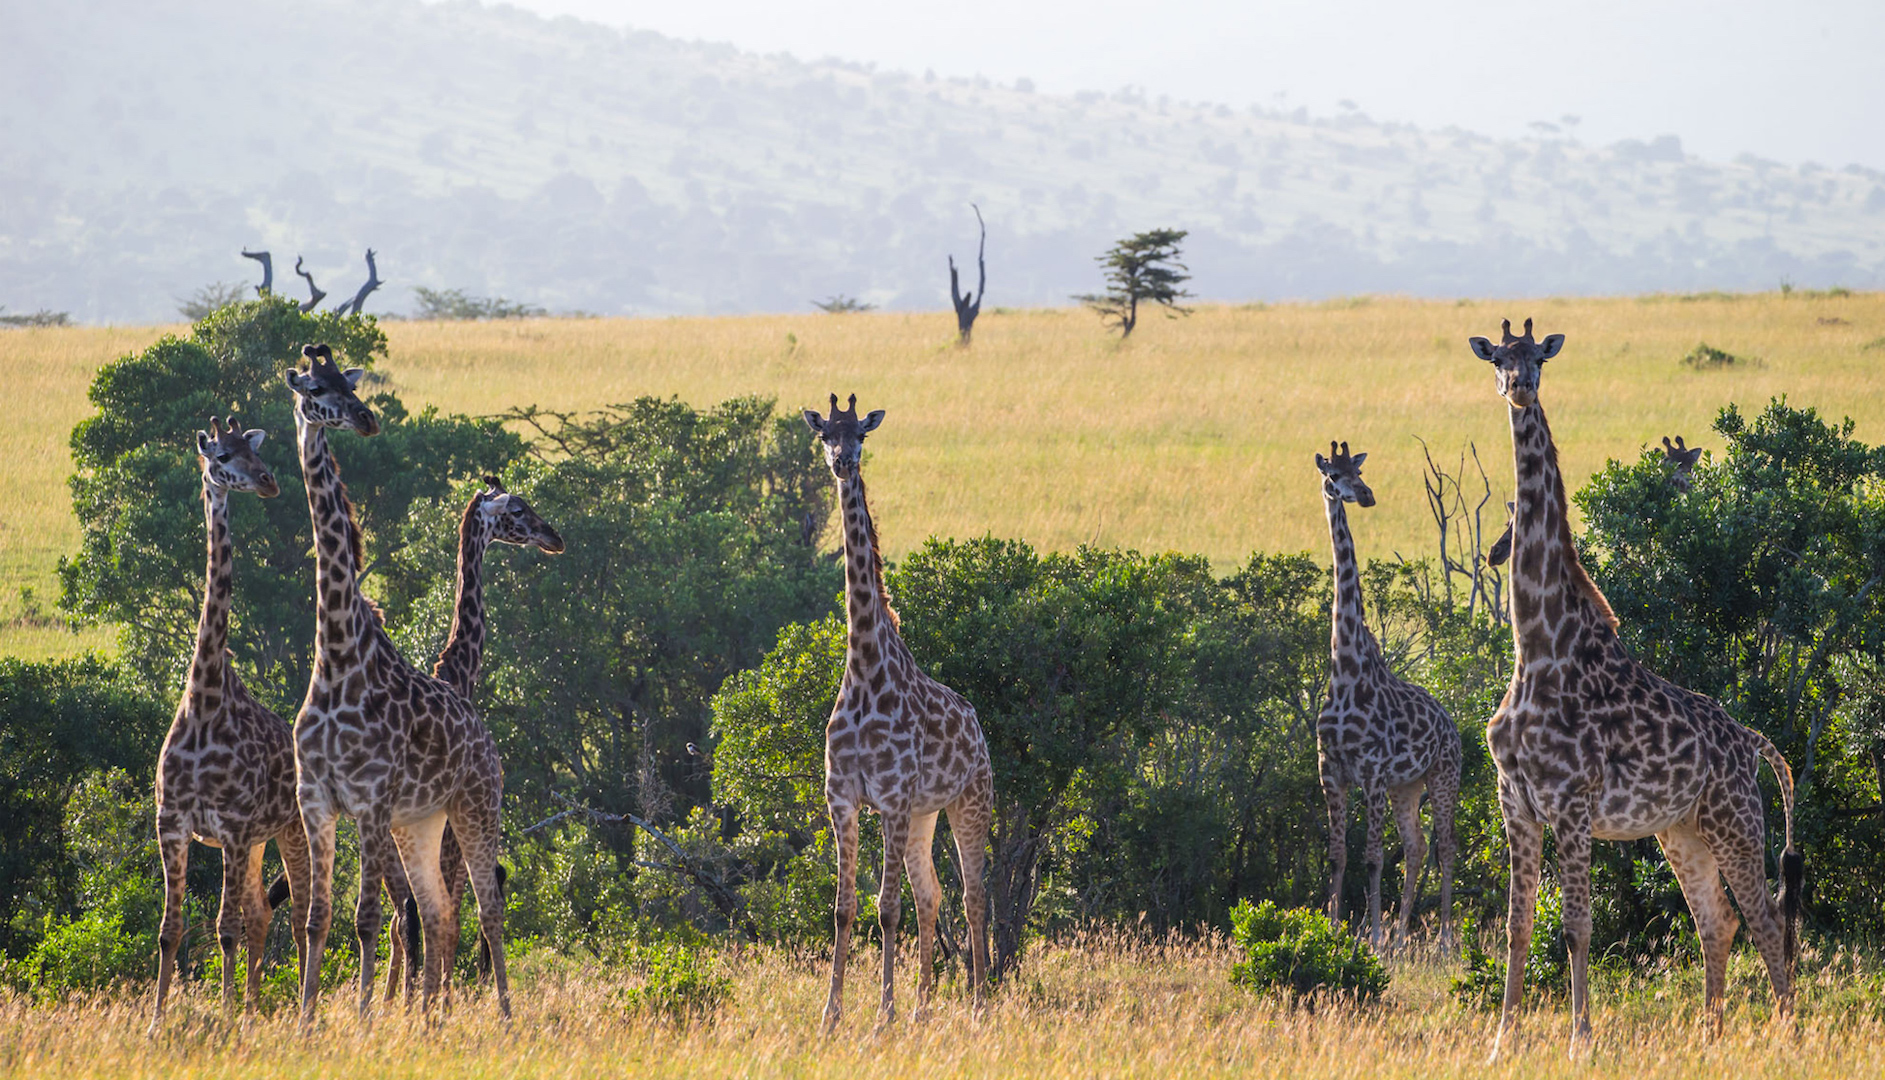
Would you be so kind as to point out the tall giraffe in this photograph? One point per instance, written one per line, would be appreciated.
(400, 751)
(492, 515)
(900, 742)
(226, 773)
(1378, 732)
(1594, 744)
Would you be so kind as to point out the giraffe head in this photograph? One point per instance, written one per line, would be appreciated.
(1518, 360)
(1683, 458)
(843, 435)
(1341, 476)
(508, 519)
(324, 395)
(230, 460)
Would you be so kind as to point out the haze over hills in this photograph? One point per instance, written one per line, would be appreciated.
(576, 167)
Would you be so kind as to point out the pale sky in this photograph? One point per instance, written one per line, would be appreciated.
(1792, 80)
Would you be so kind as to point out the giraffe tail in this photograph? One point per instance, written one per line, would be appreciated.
(1792, 863)
(278, 892)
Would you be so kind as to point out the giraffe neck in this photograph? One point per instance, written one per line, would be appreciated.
(337, 599)
(1549, 584)
(209, 665)
(871, 624)
(1349, 636)
(464, 653)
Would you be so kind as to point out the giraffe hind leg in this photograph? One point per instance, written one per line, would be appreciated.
(919, 862)
(1414, 844)
(479, 837)
(1738, 847)
(255, 920)
(1699, 873)
(968, 823)
(896, 829)
(418, 848)
(844, 908)
(229, 919)
(1335, 798)
(1373, 855)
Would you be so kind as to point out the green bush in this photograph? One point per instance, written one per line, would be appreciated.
(679, 984)
(1299, 950)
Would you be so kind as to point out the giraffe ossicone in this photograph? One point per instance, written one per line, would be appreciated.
(1379, 732)
(225, 775)
(1593, 744)
(898, 742)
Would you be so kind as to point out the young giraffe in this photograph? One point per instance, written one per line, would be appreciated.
(1592, 743)
(899, 742)
(1683, 459)
(400, 751)
(226, 773)
(492, 515)
(1378, 732)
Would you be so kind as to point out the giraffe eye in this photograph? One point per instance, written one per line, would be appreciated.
(223, 457)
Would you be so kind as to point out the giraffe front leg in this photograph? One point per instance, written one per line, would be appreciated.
(375, 854)
(255, 919)
(920, 863)
(968, 823)
(418, 851)
(174, 846)
(1335, 797)
(1414, 857)
(1573, 835)
(1444, 792)
(844, 908)
(1525, 848)
(318, 822)
(229, 919)
(896, 827)
(1373, 854)
(292, 843)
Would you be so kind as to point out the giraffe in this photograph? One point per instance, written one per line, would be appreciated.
(400, 751)
(225, 776)
(1379, 732)
(1683, 459)
(1592, 743)
(493, 514)
(899, 742)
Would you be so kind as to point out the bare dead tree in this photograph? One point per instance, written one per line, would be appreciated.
(970, 305)
(1459, 520)
(315, 295)
(268, 270)
(360, 298)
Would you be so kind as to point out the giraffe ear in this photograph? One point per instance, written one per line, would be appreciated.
(1322, 464)
(1482, 347)
(202, 443)
(296, 381)
(1358, 459)
(1551, 345)
(255, 435)
(814, 421)
(870, 422)
(352, 375)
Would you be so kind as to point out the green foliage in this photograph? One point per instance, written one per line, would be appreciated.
(769, 729)
(59, 723)
(1302, 952)
(42, 317)
(456, 304)
(842, 304)
(1142, 267)
(137, 491)
(1705, 357)
(679, 984)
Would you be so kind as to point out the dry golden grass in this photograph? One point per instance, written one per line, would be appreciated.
(1195, 435)
(1093, 1008)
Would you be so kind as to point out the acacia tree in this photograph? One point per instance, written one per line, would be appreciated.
(1142, 267)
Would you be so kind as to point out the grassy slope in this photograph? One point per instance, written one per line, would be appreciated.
(1101, 1008)
(1196, 435)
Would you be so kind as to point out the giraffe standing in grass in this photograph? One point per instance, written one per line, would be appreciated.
(900, 742)
(1378, 732)
(226, 773)
(400, 751)
(1595, 745)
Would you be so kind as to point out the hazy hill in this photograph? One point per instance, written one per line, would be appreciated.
(577, 167)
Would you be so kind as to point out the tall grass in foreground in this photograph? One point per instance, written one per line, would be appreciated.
(1103, 1005)
(1193, 435)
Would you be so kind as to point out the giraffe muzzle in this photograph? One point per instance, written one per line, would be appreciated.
(266, 487)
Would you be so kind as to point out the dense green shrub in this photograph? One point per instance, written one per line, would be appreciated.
(679, 984)
(1300, 951)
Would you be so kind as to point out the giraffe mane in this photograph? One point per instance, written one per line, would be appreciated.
(877, 558)
(1574, 565)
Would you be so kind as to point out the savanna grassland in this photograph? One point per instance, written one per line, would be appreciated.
(1096, 1006)
(1194, 435)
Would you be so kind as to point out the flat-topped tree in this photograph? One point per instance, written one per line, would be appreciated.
(1592, 743)
(1143, 268)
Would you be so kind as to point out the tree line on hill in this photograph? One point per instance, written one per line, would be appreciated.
(1151, 719)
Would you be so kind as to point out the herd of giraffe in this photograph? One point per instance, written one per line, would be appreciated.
(1586, 741)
